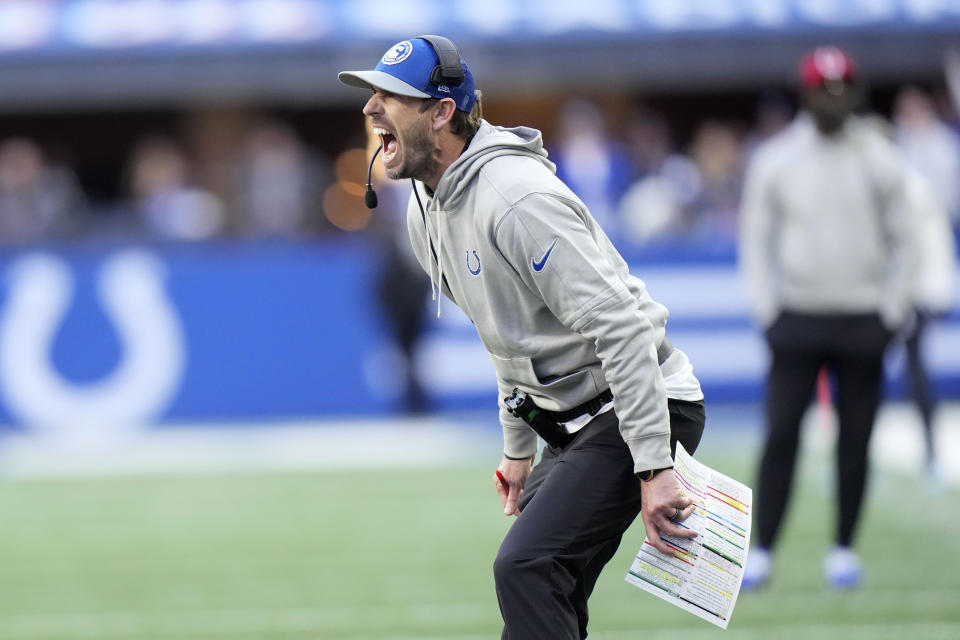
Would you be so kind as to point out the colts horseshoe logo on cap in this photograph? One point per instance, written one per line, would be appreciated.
(398, 53)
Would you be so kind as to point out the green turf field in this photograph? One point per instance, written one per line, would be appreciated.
(407, 554)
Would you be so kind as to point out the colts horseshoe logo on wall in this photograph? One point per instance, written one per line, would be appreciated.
(152, 351)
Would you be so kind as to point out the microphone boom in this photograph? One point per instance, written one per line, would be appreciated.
(370, 196)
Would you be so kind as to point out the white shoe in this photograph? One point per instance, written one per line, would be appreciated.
(842, 568)
(757, 571)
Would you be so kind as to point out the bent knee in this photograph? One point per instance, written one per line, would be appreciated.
(505, 565)
(512, 565)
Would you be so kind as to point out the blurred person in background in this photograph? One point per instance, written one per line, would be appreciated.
(164, 199)
(566, 326)
(649, 141)
(37, 200)
(933, 296)
(657, 204)
(401, 290)
(774, 113)
(933, 151)
(946, 105)
(596, 167)
(827, 254)
(717, 155)
(929, 146)
(280, 183)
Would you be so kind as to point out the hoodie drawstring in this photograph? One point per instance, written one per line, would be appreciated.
(439, 261)
(436, 291)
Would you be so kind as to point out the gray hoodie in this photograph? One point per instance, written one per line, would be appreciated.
(551, 298)
(825, 224)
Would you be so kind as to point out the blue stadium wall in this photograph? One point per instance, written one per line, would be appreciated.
(260, 331)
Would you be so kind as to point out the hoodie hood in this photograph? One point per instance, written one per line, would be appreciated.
(489, 142)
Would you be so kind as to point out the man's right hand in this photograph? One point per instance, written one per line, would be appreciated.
(514, 473)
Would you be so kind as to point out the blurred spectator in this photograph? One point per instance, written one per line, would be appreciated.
(402, 290)
(933, 297)
(774, 112)
(929, 145)
(280, 183)
(948, 98)
(167, 204)
(717, 155)
(649, 141)
(37, 200)
(595, 167)
(656, 206)
(827, 252)
(933, 151)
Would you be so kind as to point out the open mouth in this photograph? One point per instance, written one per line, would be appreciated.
(389, 142)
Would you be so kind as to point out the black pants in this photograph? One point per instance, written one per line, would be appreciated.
(920, 388)
(851, 347)
(578, 502)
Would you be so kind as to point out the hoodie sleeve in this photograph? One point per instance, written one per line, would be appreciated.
(758, 232)
(549, 242)
(519, 440)
(891, 175)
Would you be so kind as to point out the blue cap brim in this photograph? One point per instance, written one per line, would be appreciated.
(380, 80)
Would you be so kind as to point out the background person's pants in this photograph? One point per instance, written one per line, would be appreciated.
(921, 389)
(578, 502)
(851, 347)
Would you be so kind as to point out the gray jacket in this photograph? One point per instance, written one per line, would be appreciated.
(825, 225)
(551, 298)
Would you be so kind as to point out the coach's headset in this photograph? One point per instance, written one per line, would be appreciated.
(447, 71)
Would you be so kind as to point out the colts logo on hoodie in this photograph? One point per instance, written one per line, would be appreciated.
(470, 262)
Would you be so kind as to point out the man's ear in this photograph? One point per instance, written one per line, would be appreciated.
(442, 113)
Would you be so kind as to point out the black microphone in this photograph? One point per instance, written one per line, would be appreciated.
(370, 197)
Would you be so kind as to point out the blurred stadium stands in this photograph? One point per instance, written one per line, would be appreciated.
(182, 234)
(111, 53)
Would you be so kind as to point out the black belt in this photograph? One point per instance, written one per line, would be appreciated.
(593, 405)
(547, 424)
(590, 406)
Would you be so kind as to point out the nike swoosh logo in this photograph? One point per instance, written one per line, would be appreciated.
(538, 266)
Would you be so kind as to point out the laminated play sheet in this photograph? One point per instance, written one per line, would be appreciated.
(702, 575)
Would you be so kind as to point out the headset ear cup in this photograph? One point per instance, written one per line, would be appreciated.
(447, 53)
(437, 78)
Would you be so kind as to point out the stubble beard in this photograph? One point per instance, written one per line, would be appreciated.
(418, 160)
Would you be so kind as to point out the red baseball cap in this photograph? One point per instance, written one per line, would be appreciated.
(826, 64)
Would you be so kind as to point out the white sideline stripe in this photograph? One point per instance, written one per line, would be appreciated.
(431, 442)
(120, 623)
(351, 444)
